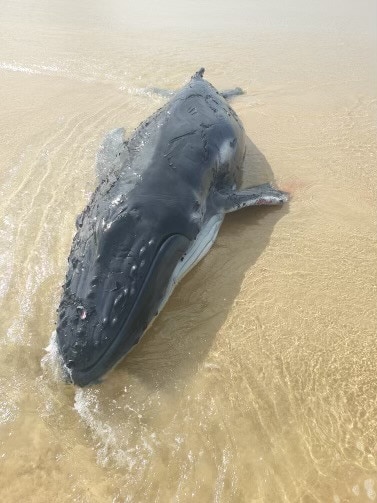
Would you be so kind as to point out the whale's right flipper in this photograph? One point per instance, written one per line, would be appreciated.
(265, 194)
(112, 153)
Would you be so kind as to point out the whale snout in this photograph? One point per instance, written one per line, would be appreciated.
(99, 324)
(88, 329)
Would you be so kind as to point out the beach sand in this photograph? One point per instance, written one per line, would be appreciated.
(257, 383)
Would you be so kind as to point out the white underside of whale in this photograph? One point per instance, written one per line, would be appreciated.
(198, 250)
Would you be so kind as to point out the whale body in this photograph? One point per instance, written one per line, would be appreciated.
(161, 198)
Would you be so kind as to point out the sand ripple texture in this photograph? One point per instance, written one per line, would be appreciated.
(258, 381)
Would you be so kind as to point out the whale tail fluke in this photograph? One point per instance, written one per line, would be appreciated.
(199, 74)
(230, 93)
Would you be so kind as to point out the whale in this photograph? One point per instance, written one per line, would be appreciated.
(161, 198)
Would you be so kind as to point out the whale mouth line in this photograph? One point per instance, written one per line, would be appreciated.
(78, 374)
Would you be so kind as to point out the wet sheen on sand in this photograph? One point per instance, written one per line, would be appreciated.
(257, 383)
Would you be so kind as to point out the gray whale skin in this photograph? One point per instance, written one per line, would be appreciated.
(161, 199)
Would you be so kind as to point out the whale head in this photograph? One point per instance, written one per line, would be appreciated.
(118, 272)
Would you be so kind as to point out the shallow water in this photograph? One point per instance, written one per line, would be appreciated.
(257, 383)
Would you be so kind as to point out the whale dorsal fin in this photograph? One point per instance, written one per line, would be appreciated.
(112, 154)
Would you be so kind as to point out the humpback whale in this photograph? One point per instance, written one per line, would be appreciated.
(160, 201)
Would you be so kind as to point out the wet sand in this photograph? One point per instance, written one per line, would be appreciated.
(257, 383)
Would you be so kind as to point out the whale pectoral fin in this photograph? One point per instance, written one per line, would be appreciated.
(253, 196)
(229, 93)
(112, 153)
